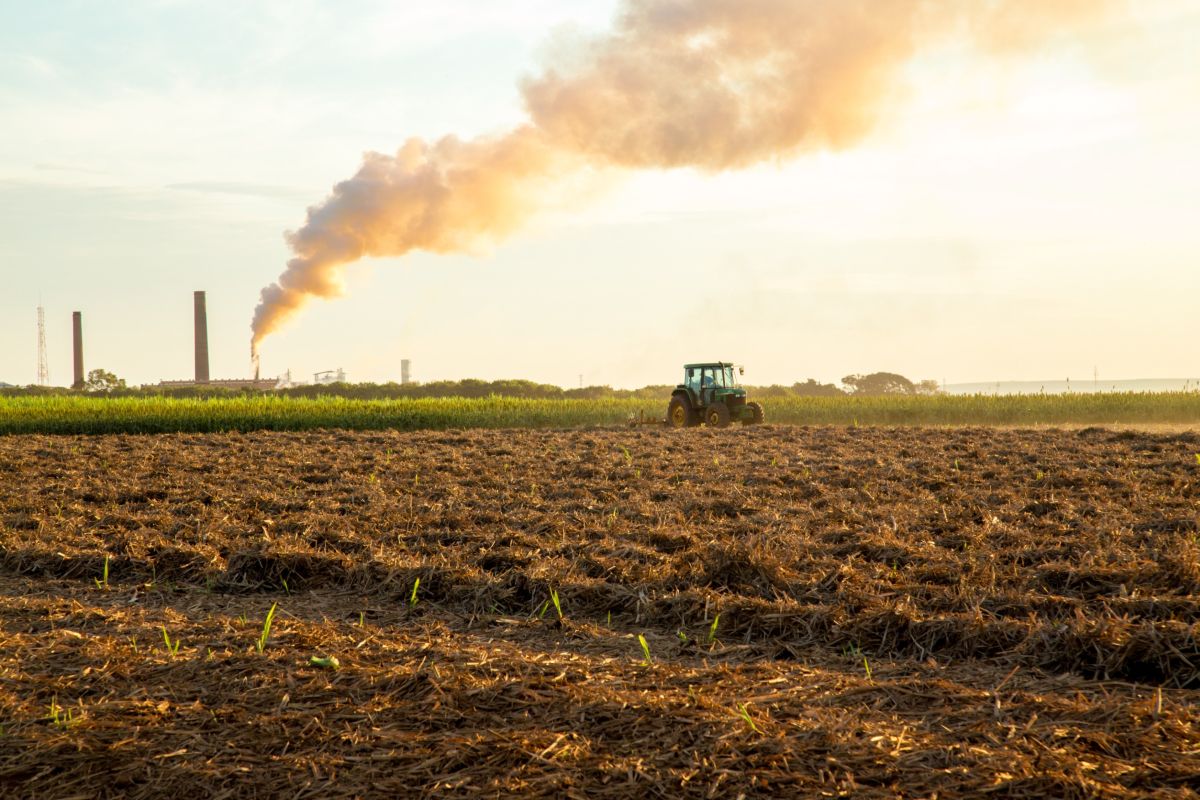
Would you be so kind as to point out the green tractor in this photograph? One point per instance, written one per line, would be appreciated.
(710, 393)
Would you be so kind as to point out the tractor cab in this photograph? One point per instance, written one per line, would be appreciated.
(706, 382)
(711, 393)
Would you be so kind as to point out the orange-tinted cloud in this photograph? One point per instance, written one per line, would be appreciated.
(709, 84)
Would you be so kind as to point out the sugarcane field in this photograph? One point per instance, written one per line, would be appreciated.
(820, 611)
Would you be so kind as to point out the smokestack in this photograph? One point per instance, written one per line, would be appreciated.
(77, 326)
(405, 365)
(201, 339)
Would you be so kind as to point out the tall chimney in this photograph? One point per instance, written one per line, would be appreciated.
(405, 366)
(201, 339)
(77, 326)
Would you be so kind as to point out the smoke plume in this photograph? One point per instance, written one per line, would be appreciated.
(707, 84)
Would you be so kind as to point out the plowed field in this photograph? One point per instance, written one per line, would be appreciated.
(825, 611)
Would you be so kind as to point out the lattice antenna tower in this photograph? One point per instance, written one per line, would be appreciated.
(43, 377)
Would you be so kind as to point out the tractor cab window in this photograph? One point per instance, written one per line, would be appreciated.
(692, 379)
(730, 377)
(712, 378)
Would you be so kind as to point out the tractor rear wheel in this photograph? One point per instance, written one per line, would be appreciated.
(717, 416)
(680, 414)
(757, 411)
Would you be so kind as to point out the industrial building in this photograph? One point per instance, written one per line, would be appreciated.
(202, 376)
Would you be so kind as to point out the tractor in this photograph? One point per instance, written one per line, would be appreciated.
(710, 394)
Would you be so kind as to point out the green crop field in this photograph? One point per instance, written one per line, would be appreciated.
(99, 415)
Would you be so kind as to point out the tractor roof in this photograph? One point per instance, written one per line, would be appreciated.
(709, 364)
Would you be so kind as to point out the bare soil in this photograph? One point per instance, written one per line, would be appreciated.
(902, 612)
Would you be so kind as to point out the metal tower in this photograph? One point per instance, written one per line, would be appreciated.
(43, 378)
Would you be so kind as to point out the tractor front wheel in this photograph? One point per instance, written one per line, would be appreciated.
(757, 411)
(717, 416)
(680, 414)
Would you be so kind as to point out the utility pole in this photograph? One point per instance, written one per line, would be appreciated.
(43, 376)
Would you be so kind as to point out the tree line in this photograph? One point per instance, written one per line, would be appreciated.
(102, 382)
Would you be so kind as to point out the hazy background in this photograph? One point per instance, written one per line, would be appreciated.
(1019, 220)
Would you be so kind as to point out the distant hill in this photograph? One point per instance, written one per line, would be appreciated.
(1080, 387)
(4, 385)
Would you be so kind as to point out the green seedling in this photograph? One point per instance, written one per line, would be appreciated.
(645, 650)
(628, 457)
(867, 667)
(543, 609)
(102, 581)
(745, 715)
(412, 598)
(286, 590)
(172, 647)
(325, 662)
(1198, 458)
(610, 619)
(557, 605)
(362, 619)
(712, 629)
(266, 630)
(682, 637)
(61, 718)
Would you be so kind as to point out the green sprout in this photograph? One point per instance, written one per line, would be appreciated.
(60, 717)
(172, 647)
(557, 605)
(745, 715)
(102, 582)
(712, 629)
(682, 637)
(412, 598)
(867, 667)
(325, 662)
(645, 650)
(266, 630)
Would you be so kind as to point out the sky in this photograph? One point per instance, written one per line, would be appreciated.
(1013, 218)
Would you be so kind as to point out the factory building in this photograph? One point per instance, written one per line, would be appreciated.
(202, 375)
